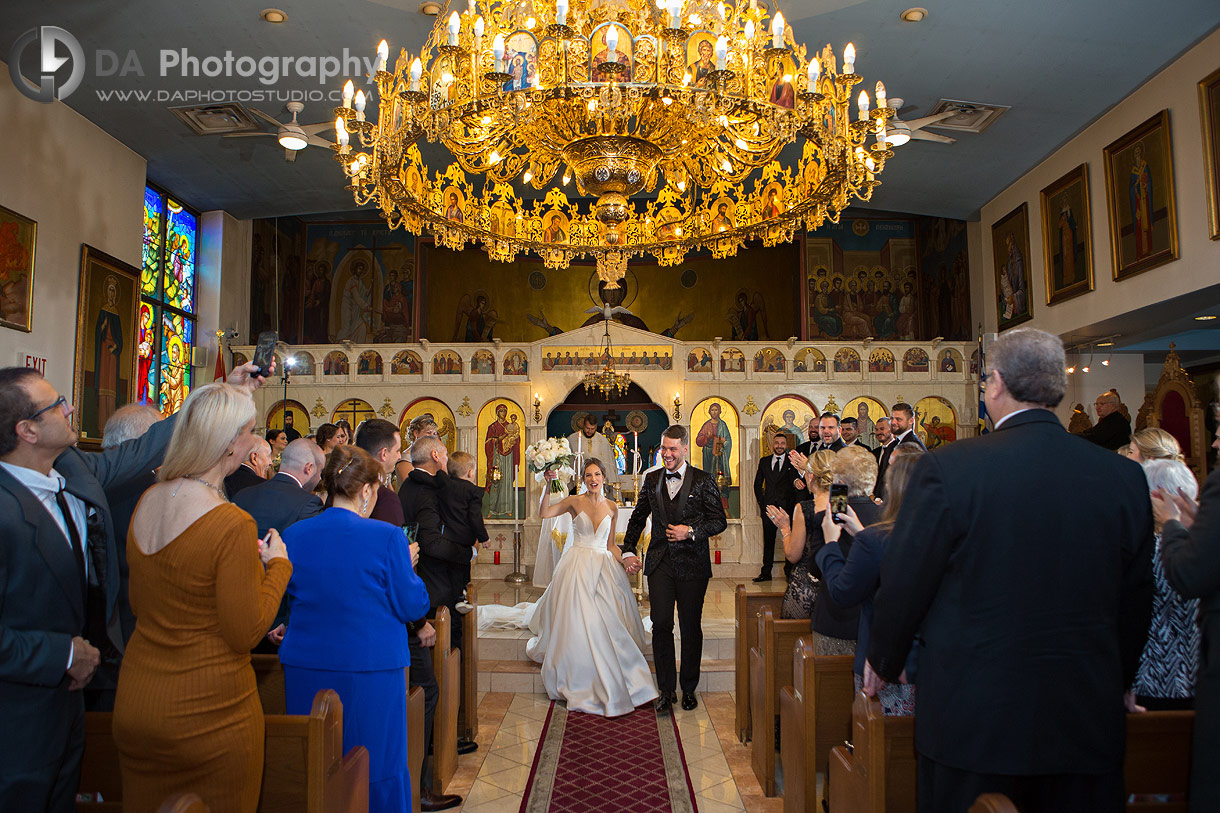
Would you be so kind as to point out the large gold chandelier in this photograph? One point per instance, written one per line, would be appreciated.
(607, 380)
(621, 97)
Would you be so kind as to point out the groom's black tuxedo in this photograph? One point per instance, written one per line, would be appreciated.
(677, 571)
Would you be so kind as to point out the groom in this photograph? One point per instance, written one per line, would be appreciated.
(686, 509)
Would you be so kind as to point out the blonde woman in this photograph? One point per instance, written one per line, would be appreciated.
(205, 590)
(1154, 444)
(420, 426)
(801, 536)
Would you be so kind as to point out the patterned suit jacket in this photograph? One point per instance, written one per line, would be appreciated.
(697, 505)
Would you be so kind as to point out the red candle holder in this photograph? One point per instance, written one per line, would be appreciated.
(717, 557)
(496, 559)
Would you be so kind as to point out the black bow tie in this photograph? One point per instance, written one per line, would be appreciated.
(673, 475)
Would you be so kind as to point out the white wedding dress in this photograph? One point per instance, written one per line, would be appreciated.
(588, 635)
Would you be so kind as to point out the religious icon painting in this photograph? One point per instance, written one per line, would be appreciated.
(699, 360)
(106, 339)
(949, 361)
(1140, 198)
(368, 363)
(974, 363)
(17, 234)
(1010, 254)
(446, 362)
(354, 410)
(669, 221)
(335, 363)
(700, 58)
(516, 363)
(781, 75)
(787, 415)
(1209, 106)
(715, 429)
(454, 202)
(867, 411)
(406, 362)
(483, 363)
(441, 415)
(520, 60)
(935, 421)
(1067, 240)
(302, 363)
(916, 360)
(555, 226)
(732, 360)
(771, 203)
(722, 212)
(622, 53)
(291, 416)
(413, 181)
(240, 360)
(769, 360)
(847, 361)
(881, 361)
(501, 459)
(809, 360)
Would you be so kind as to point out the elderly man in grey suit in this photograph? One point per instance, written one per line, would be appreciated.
(60, 582)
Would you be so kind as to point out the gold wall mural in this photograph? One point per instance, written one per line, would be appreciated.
(501, 434)
(715, 447)
(440, 412)
(935, 421)
(788, 415)
(867, 411)
(299, 420)
(354, 411)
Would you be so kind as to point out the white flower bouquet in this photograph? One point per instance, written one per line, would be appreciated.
(552, 454)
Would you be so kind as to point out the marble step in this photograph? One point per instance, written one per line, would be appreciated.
(715, 675)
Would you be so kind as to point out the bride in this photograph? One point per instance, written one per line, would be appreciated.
(588, 635)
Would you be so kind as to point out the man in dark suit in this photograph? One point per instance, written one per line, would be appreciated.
(774, 484)
(902, 424)
(1112, 430)
(1190, 552)
(383, 440)
(828, 438)
(128, 422)
(60, 586)
(686, 510)
(1033, 602)
(280, 502)
(250, 472)
(885, 438)
(849, 431)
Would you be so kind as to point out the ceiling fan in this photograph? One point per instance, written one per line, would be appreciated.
(899, 132)
(292, 136)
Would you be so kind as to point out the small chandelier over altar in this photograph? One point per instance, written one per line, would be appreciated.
(607, 380)
(671, 115)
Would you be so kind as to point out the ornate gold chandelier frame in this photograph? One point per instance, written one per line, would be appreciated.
(622, 97)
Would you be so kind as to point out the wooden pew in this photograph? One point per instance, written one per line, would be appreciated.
(446, 663)
(745, 624)
(1158, 758)
(269, 677)
(770, 669)
(468, 708)
(304, 768)
(878, 774)
(815, 716)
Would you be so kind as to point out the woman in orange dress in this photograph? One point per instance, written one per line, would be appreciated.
(187, 715)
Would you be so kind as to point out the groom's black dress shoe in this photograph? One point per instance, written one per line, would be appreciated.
(758, 579)
(663, 705)
(688, 701)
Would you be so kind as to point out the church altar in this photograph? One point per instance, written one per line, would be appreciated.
(492, 399)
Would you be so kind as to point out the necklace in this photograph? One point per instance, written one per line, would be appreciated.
(218, 490)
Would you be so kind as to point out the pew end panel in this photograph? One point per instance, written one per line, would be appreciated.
(747, 606)
(1158, 758)
(468, 708)
(415, 741)
(446, 663)
(770, 670)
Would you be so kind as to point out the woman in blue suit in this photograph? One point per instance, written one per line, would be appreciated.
(351, 598)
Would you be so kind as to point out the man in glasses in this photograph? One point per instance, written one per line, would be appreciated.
(61, 581)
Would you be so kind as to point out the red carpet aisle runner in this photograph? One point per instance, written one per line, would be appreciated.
(590, 764)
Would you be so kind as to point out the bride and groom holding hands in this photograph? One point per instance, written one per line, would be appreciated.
(587, 631)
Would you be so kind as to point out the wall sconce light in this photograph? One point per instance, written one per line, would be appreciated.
(537, 408)
(677, 406)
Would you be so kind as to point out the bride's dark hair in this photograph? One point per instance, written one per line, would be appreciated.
(593, 461)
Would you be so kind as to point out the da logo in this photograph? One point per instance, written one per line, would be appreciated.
(48, 37)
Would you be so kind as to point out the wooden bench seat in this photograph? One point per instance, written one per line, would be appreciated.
(815, 716)
(446, 663)
(770, 669)
(747, 606)
(304, 768)
(877, 775)
(468, 707)
(1158, 758)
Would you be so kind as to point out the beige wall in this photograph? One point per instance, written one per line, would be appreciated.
(223, 293)
(1175, 88)
(81, 186)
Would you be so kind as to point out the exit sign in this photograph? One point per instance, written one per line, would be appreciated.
(38, 363)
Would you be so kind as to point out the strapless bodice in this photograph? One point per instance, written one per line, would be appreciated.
(584, 535)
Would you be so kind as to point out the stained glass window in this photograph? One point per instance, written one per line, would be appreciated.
(167, 320)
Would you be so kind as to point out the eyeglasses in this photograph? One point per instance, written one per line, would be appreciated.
(61, 401)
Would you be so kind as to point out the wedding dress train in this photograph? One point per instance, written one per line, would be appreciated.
(588, 635)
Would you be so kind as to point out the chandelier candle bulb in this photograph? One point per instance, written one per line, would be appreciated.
(561, 12)
(360, 102)
(722, 53)
(478, 32)
(611, 42)
(497, 48)
(675, 13)
(812, 74)
(341, 136)
(880, 94)
(864, 105)
(470, 6)
(749, 32)
(455, 25)
(417, 69)
(777, 31)
(383, 54)
(849, 59)
(348, 90)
